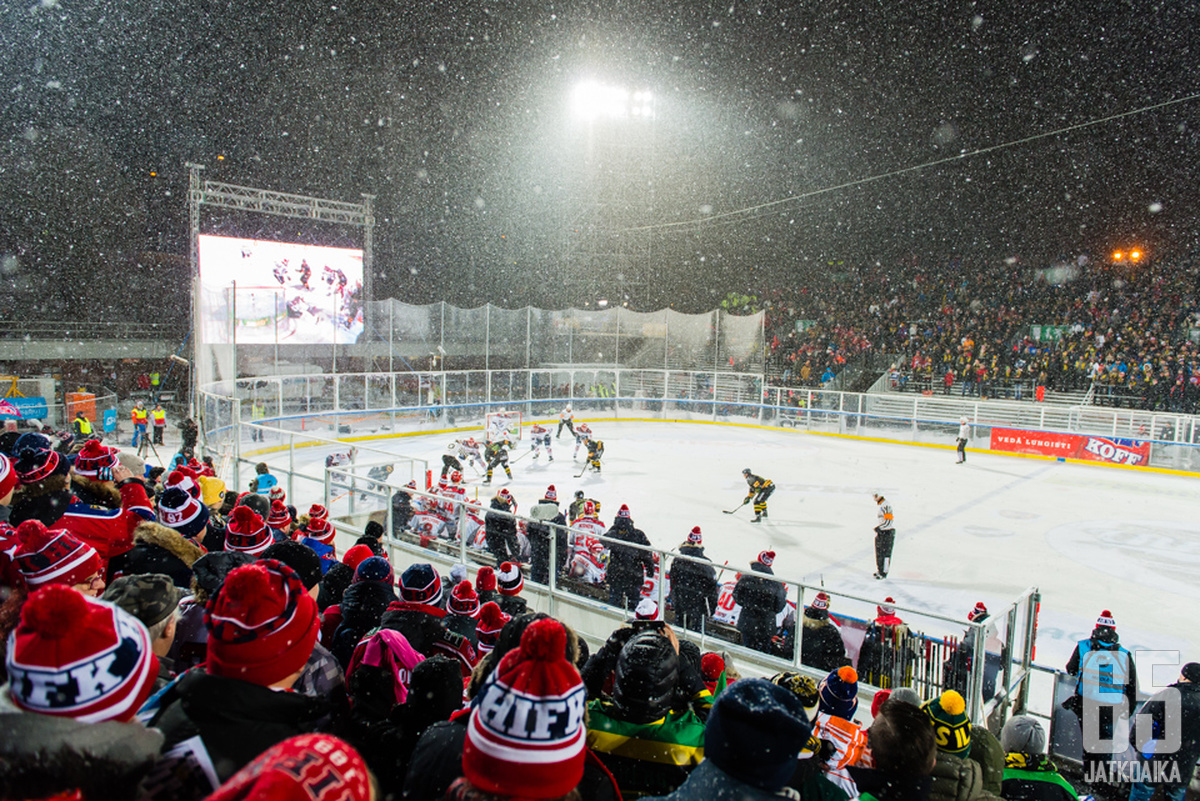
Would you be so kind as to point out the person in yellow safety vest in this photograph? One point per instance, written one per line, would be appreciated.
(158, 416)
(258, 411)
(155, 381)
(82, 426)
(140, 419)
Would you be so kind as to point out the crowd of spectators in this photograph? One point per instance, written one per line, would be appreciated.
(164, 639)
(969, 328)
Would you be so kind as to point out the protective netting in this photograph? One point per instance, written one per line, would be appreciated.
(440, 336)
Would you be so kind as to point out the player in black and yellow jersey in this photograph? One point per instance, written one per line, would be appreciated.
(760, 489)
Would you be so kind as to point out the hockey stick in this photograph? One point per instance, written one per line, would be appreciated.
(586, 465)
(734, 509)
(522, 456)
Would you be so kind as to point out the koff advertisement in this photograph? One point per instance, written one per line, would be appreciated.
(286, 293)
(1072, 446)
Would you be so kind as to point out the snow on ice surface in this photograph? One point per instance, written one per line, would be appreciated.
(1090, 537)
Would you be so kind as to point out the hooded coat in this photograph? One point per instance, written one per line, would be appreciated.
(158, 549)
(694, 587)
(821, 644)
(627, 567)
(761, 601)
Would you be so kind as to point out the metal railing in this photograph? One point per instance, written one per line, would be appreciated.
(992, 683)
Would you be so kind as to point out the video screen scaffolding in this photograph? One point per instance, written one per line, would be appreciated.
(258, 283)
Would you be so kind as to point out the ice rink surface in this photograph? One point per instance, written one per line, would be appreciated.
(1089, 537)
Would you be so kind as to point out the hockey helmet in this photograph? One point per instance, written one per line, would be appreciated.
(582, 428)
(964, 419)
(456, 477)
(505, 496)
(578, 494)
(746, 471)
(589, 509)
(470, 442)
(568, 407)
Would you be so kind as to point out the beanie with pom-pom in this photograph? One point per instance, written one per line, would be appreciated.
(280, 517)
(95, 457)
(185, 480)
(534, 748)
(36, 464)
(262, 624)
(485, 579)
(76, 657)
(839, 693)
(509, 580)
(490, 622)
(950, 725)
(246, 532)
(53, 556)
(463, 600)
(183, 512)
(319, 529)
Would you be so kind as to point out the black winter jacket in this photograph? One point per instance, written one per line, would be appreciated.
(236, 720)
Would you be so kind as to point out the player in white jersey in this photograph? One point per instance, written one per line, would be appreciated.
(885, 537)
(589, 557)
(565, 418)
(452, 497)
(582, 434)
(458, 451)
(539, 435)
(964, 433)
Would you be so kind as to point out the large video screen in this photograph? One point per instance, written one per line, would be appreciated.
(258, 292)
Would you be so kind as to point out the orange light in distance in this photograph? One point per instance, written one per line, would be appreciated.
(1118, 255)
(1134, 255)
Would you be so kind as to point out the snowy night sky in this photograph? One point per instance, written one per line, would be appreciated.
(456, 115)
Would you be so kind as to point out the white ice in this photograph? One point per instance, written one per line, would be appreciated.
(1089, 537)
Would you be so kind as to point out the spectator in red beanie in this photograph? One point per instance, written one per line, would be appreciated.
(61, 737)
(310, 767)
(551, 691)
(262, 625)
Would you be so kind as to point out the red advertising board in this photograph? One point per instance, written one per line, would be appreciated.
(1072, 446)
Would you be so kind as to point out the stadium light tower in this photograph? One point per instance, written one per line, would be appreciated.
(614, 128)
(596, 101)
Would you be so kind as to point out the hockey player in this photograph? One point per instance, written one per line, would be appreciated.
(539, 436)
(305, 274)
(496, 454)
(453, 494)
(760, 489)
(595, 450)
(964, 433)
(575, 510)
(450, 460)
(589, 558)
(281, 272)
(458, 451)
(885, 537)
(566, 418)
(582, 433)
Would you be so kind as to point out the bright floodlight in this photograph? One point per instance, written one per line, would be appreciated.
(592, 101)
